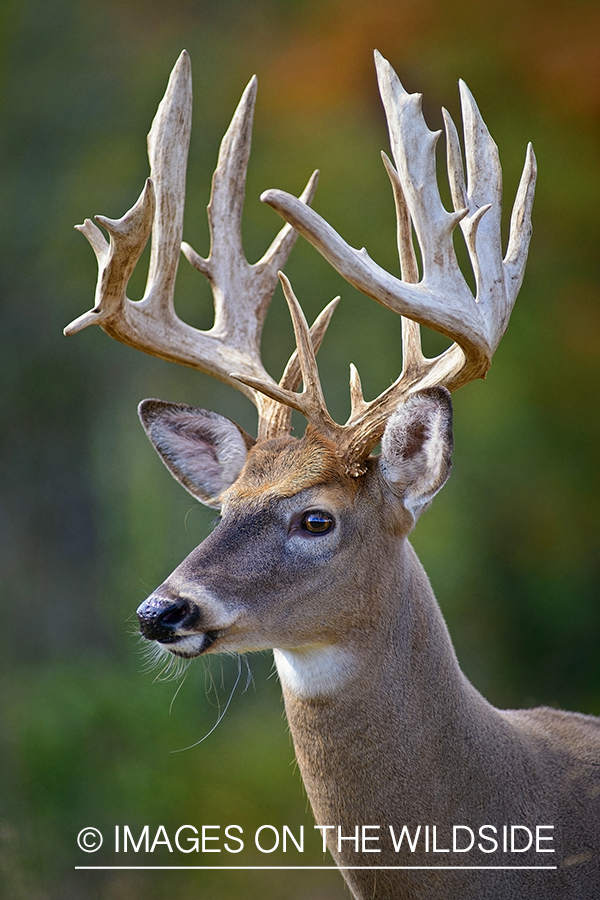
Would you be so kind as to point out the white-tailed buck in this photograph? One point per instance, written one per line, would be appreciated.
(429, 791)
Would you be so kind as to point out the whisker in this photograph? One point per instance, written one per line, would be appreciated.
(173, 667)
(249, 676)
(221, 714)
(180, 685)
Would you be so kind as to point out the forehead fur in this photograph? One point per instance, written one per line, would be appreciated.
(285, 466)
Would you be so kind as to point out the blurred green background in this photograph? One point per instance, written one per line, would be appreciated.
(91, 521)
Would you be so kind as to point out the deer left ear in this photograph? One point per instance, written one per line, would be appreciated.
(204, 451)
(416, 448)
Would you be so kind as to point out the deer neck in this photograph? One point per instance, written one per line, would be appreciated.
(385, 711)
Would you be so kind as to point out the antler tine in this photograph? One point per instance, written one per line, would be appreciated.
(520, 226)
(412, 354)
(278, 419)
(242, 292)
(117, 260)
(310, 402)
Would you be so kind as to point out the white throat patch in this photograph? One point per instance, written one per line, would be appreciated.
(314, 671)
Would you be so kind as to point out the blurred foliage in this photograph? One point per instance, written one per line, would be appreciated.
(91, 521)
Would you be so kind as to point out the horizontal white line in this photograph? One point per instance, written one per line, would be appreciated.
(300, 868)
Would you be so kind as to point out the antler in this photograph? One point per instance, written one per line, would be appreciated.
(242, 292)
(442, 299)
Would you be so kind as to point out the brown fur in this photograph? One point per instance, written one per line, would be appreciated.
(283, 467)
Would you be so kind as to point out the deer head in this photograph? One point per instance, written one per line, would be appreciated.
(295, 508)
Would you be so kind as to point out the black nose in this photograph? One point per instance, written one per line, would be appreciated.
(162, 618)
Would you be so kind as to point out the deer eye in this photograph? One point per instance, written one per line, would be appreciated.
(317, 522)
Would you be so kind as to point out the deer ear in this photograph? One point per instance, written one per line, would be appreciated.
(204, 451)
(416, 448)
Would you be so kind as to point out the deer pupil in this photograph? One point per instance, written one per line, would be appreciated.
(317, 522)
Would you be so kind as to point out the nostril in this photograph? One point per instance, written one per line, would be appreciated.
(160, 618)
(175, 614)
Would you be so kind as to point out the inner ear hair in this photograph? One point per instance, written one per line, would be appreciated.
(416, 447)
(203, 450)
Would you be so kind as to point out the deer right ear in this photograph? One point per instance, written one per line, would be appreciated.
(204, 451)
(416, 448)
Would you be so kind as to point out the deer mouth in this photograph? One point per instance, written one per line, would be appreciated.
(189, 645)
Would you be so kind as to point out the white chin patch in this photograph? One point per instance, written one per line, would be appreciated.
(314, 671)
(191, 645)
